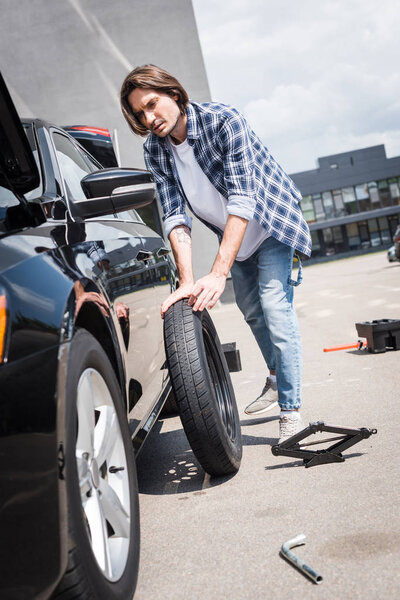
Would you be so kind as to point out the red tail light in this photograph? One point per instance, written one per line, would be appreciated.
(97, 130)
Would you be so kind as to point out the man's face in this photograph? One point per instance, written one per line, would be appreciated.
(156, 111)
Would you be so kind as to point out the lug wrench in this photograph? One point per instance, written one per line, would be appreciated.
(297, 562)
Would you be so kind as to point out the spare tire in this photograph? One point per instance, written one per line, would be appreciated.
(170, 408)
(203, 389)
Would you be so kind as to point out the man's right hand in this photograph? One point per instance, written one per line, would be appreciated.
(183, 291)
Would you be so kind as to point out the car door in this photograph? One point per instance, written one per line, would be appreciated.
(122, 257)
(132, 278)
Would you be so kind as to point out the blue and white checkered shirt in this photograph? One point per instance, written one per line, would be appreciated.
(240, 168)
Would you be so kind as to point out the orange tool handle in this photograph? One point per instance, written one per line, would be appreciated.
(359, 345)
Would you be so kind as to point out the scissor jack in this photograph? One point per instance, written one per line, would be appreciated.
(348, 437)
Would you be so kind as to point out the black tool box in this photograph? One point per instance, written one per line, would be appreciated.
(382, 335)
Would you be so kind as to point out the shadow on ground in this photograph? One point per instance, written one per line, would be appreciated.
(258, 421)
(299, 463)
(167, 465)
(362, 352)
(365, 352)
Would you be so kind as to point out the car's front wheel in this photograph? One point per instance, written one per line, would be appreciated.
(101, 481)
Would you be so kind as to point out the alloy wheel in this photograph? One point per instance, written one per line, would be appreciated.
(103, 475)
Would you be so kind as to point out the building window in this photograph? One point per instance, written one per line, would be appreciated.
(363, 197)
(384, 192)
(338, 239)
(374, 232)
(393, 221)
(328, 241)
(316, 246)
(384, 229)
(338, 203)
(349, 199)
(373, 193)
(328, 205)
(353, 236)
(319, 209)
(308, 209)
(395, 189)
(364, 234)
(333, 240)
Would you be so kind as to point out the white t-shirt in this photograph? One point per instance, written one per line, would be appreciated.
(207, 202)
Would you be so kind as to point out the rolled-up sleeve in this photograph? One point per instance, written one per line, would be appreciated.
(239, 165)
(171, 199)
(175, 220)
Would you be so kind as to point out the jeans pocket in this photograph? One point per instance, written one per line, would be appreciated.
(299, 274)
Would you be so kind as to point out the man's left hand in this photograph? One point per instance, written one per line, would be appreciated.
(207, 291)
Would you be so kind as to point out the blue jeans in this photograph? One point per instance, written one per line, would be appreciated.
(263, 288)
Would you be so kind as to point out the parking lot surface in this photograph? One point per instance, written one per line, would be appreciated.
(211, 539)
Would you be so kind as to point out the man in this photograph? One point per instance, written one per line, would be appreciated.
(207, 156)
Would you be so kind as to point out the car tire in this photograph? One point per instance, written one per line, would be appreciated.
(100, 474)
(203, 389)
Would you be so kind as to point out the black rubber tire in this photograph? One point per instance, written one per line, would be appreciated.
(203, 389)
(83, 578)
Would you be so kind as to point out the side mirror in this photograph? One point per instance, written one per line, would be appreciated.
(114, 190)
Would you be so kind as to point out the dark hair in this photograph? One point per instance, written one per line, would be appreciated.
(155, 78)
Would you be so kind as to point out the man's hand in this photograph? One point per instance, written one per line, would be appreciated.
(207, 291)
(183, 291)
(121, 310)
(94, 297)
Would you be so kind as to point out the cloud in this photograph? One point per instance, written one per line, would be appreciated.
(311, 77)
(344, 110)
(345, 98)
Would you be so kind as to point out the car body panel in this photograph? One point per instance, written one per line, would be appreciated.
(32, 556)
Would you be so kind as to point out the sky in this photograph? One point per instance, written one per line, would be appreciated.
(313, 77)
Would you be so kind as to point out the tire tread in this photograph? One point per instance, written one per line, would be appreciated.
(196, 403)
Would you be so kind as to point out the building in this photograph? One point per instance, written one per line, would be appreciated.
(68, 65)
(351, 201)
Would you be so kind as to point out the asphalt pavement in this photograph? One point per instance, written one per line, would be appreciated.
(204, 538)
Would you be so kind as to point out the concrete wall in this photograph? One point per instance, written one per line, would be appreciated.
(65, 60)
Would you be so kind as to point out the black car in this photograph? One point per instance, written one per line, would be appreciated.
(97, 141)
(84, 366)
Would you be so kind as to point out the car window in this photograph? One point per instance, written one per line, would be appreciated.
(37, 192)
(7, 198)
(146, 214)
(74, 165)
(129, 215)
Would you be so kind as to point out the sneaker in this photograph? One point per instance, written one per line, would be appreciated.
(289, 425)
(266, 400)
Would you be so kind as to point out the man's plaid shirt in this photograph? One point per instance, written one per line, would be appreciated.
(240, 168)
